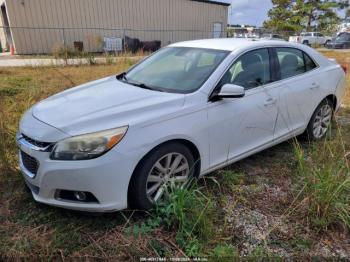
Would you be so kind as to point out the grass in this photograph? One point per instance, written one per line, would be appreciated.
(290, 200)
(324, 178)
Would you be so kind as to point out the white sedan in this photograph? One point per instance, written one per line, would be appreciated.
(185, 111)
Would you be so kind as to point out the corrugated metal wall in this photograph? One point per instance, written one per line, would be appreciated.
(166, 18)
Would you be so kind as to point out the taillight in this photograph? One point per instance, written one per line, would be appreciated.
(345, 68)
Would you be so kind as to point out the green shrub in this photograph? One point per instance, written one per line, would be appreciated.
(65, 52)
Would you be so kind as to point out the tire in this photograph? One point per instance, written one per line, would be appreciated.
(320, 123)
(327, 43)
(305, 42)
(140, 182)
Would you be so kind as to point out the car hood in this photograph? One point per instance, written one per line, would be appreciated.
(104, 104)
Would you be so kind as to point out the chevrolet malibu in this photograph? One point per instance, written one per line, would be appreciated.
(185, 111)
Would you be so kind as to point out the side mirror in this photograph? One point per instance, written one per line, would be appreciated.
(231, 91)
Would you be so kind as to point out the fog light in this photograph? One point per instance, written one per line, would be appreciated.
(76, 196)
(81, 196)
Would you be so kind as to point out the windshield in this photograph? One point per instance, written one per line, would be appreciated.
(176, 69)
(343, 37)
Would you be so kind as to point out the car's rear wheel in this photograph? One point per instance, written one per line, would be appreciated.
(321, 120)
(165, 167)
(305, 42)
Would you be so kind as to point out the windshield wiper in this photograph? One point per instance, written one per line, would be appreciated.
(141, 85)
(124, 79)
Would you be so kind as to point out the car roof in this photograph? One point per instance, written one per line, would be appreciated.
(233, 44)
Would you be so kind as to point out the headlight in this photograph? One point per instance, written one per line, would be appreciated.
(88, 146)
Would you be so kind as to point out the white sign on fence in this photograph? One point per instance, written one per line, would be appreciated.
(113, 44)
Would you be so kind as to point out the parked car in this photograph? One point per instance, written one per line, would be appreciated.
(272, 37)
(311, 38)
(185, 111)
(341, 41)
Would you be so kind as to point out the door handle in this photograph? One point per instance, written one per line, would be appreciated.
(270, 101)
(314, 85)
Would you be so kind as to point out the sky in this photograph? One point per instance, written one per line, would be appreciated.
(252, 12)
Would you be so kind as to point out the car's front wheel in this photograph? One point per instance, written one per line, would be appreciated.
(169, 165)
(321, 120)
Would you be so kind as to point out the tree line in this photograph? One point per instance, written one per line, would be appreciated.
(294, 16)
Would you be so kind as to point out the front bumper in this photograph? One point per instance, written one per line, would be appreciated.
(106, 177)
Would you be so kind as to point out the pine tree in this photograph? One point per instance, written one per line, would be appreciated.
(316, 12)
(281, 17)
(296, 15)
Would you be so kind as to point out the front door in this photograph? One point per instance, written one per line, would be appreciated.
(242, 124)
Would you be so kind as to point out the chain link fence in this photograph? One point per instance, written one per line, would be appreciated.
(29, 40)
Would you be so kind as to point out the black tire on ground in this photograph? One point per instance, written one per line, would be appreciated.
(310, 128)
(305, 42)
(327, 43)
(137, 196)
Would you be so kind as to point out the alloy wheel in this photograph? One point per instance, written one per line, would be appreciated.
(322, 121)
(170, 170)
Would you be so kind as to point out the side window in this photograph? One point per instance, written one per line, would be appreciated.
(309, 64)
(291, 62)
(250, 70)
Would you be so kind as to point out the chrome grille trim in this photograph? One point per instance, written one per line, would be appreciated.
(35, 142)
(32, 144)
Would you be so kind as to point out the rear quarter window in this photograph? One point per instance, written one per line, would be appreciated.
(309, 63)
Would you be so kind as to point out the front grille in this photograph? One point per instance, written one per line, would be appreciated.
(30, 163)
(35, 142)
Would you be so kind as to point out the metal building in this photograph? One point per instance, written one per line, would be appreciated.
(38, 26)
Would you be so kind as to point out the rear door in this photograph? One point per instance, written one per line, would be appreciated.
(300, 86)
